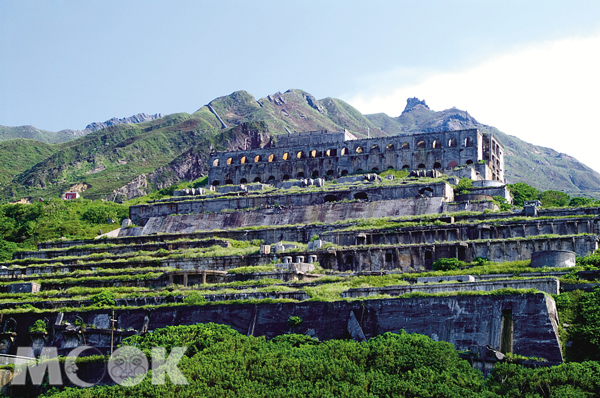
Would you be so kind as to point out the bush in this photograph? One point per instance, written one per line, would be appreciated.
(38, 326)
(448, 264)
(7, 249)
(294, 321)
(194, 298)
(522, 192)
(103, 299)
(554, 199)
(464, 186)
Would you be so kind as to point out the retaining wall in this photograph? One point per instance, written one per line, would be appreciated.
(461, 320)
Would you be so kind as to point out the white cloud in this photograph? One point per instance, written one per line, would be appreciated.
(546, 94)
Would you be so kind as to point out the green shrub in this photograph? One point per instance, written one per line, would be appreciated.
(103, 299)
(294, 321)
(194, 298)
(448, 264)
(38, 326)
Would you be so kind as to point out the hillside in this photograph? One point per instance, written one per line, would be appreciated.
(32, 133)
(124, 161)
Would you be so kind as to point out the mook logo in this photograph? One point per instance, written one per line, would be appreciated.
(127, 366)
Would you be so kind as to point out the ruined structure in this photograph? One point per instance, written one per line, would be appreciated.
(334, 155)
(297, 232)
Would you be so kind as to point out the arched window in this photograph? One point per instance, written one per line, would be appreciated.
(421, 144)
(257, 179)
(243, 181)
(452, 142)
(405, 146)
(375, 149)
(331, 152)
(453, 163)
(437, 165)
(229, 182)
(229, 160)
(437, 144)
(330, 172)
(390, 147)
(421, 166)
(286, 156)
(286, 177)
(344, 173)
(301, 174)
(271, 158)
(215, 183)
(468, 142)
(215, 162)
(271, 178)
(344, 151)
(315, 174)
(405, 167)
(359, 149)
(300, 155)
(243, 160)
(313, 153)
(257, 159)
(469, 161)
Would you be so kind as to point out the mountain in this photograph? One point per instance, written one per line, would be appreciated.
(122, 161)
(540, 167)
(32, 133)
(50, 137)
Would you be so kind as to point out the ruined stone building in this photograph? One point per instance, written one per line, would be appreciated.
(465, 153)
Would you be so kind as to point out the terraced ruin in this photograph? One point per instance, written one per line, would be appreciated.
(351, 256)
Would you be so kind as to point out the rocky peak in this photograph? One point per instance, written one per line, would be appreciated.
(139, 118)
(414, 103)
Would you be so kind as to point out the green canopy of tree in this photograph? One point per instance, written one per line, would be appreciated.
(522, 192)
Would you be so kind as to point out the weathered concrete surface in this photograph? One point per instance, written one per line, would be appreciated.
(324, 213)
(547, 285)
(461, 320)
(553, 258)
(122, 249)
(140, 214)
(469, 228)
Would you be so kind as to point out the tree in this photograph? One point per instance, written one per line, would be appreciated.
(554, 199)
(581, 202)
(522, 192)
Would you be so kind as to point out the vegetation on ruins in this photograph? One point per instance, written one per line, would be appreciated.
(221, 362)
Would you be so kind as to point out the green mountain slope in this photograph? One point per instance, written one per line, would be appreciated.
(125, 161)
(19, 155)
(31, 133)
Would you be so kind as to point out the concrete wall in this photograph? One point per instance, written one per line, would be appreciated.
(292, 215)
(547, 285)
(304, 158)
(140, 214)
(460, 320)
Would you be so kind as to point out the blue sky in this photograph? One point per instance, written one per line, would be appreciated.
(529, 68)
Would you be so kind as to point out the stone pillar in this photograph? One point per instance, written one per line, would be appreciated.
(287, 259)
(185, 279)
(204, 277)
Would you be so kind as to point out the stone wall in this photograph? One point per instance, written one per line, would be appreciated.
(461, 320)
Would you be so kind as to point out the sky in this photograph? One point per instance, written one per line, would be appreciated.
(529, 68)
